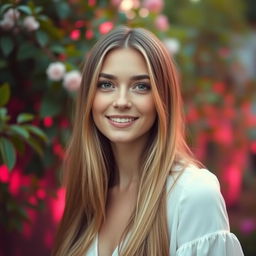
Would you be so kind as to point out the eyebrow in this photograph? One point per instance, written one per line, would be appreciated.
(133, 78)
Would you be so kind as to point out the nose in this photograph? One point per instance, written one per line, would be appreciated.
(122, 100)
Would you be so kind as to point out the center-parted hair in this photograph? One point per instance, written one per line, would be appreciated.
(89, 168)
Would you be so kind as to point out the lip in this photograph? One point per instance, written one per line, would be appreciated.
(122, 124)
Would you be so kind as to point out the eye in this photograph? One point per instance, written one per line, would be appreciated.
(105, 85)
(142, 87)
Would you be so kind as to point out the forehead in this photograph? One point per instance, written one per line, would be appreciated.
(124, 60)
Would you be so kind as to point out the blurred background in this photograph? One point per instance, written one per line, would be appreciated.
(42, 46)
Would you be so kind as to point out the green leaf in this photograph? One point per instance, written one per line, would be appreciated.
(35, 145)
(50, 106)
(6, 44)
(26, 51)
(63, 10)
(37, 131)
(24, 117)
(3, 64)
(4, 94)
(18, 144)
(25, 9)
(57, 48)
(8, 153)
(5, 7)
(38, 9)
(42, 38)
(20, 131)
(3, 112)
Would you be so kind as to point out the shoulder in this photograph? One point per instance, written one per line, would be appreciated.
(194, 182)
(197, 217)
(197, 202)
(199, 185)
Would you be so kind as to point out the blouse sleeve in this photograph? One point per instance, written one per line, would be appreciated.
(203, 227)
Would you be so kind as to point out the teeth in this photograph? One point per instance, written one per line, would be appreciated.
(121, 120)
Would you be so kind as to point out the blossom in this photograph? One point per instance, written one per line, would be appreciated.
(72, 80)
(7, 24)
(162, 23)
(56, 71)
(9, 19)
(172, 45)
(30, 23)
(154, 5)
(12, 14)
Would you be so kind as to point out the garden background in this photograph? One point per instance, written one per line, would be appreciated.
(42, 46)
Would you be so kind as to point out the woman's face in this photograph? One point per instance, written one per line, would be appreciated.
(123, 108)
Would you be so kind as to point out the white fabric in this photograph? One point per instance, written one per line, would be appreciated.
(197, 217)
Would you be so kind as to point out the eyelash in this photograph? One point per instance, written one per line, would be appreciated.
(101, 83)
(147, 86)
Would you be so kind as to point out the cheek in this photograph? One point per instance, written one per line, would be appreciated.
(98, 104)
(148, 107)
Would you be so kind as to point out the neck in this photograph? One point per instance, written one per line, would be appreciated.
(127, 156)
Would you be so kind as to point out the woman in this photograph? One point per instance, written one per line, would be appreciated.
(133, 187)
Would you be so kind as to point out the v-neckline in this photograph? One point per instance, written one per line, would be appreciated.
(97, 247)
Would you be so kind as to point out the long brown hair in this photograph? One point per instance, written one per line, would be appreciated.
(89, 166)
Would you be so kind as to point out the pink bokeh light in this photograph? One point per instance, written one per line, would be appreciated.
(75, 34)
(105, 27)
(57, 205)
(4, 174)
(48, 121)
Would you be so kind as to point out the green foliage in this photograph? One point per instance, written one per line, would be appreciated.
(22, 132)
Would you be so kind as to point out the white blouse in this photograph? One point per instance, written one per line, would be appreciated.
(197, 218)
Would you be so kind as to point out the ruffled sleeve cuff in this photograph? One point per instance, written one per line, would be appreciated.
(218, 243)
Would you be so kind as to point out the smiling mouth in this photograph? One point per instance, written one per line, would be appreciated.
(121, 120)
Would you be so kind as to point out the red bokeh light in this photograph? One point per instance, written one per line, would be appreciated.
(4, 174)
(105, 27)
(89, 34)
(75, 34)
(48, 121)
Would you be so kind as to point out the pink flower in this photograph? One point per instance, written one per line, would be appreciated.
(56, 71)
(172, 45)
(154, 5)
(72, 80)
(30, 23)
(105, 27)
(162, 22)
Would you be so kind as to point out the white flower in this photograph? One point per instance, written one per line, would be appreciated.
(30, 23)
(56, 71)
(72, 80)
(10, 17)
(172, 44)
(7, 24)
(12, 14)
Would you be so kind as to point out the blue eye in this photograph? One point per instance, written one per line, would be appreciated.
(105, 85)
(142, 87)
